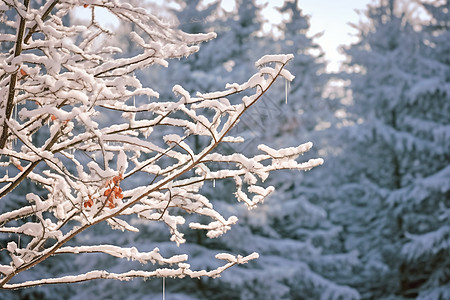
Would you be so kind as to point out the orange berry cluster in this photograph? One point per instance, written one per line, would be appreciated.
(89, 202)
(112, 194)
(113, 191)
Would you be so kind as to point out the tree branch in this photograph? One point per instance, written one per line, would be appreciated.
(182, 271)
(13, 80)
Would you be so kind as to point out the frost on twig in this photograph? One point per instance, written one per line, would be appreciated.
(97, 155)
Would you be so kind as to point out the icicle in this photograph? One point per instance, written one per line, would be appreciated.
(286, 87)
(164, 288)
(14, 113)
(214, 183)
(134, 101)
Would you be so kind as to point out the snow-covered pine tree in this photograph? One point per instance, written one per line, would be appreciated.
(63, 80)
(298, 219)
(297, 242)
(308, 109)
(391, 177)
(293, 234)
(423, 201)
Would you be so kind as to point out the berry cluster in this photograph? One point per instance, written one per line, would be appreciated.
(112, 192)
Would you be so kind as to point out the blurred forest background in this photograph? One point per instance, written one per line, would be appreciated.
(372, 223)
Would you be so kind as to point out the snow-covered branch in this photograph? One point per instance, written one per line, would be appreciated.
(79, 125)
(183, 270)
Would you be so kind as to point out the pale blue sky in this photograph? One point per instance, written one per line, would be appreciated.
(328, 16)
(332, 17)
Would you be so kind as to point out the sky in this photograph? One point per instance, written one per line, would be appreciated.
(332, 17)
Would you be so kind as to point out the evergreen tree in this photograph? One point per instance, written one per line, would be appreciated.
(391, 181)
(423, 199)
(293, 235)
(298, 244)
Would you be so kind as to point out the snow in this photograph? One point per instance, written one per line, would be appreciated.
(31, 229)
(281, 58)
(122, 162)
